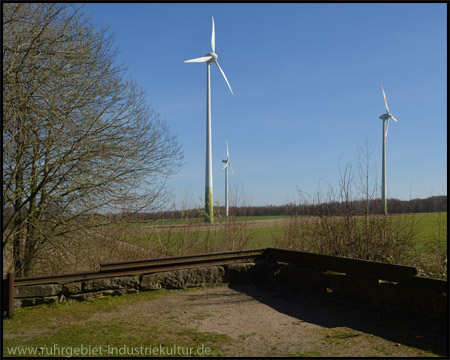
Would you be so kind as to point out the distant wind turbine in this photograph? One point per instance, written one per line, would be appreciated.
(209, 58)
(227, 163)
(385, 117)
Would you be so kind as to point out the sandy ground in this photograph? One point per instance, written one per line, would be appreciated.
(271, 322)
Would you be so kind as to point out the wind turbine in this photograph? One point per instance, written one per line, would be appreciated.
(209, 58)
(385, 117)
(227, 162)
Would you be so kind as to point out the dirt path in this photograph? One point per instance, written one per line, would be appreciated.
(254, 321)
(235, 320)
(218, 225)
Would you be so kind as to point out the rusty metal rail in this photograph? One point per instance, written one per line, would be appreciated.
(187, 259)
(149, 266)
(365, 268)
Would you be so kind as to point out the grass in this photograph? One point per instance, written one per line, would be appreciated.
(258, 237)
(312, 353)
(246, 336)
(431, 244)
(427, 223)
(212, 240)
(431, 226)
(75, 325)
(338, 336)
(263, 236)
(236, 234)
(47, 315)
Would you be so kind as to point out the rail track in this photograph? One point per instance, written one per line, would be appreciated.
(405, 275)
(369, 269)
(149, 266)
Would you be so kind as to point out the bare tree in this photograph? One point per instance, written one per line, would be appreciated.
(78, 136)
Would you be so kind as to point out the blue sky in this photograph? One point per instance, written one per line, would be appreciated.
(307, 91)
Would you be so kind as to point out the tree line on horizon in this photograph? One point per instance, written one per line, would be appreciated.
(395, 206)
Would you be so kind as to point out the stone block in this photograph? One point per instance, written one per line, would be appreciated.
(270, 271)
(362, 288)
(439, 303)
(206, 276)
(298, 277)
(414, 298)
(152, 281)
(44, 290)
(177, 279)
(28, 302)
(242, 272)
(390, 294)
(38, 301)
(72, 288)
(17, 304)
(102, 293)
(123, 282)
(126, 282)
(49, 299)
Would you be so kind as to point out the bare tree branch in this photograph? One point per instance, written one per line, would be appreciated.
(79, 137)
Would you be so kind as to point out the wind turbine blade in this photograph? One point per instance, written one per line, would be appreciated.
(213, 37)
(228, 155)
(226, 164)
(393, 118)
(385, 101)
(224, 76)
(200, 59)
(231, 169)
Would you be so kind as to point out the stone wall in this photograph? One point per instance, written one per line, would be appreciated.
(285, 275)
(361, 288)
(30, 295)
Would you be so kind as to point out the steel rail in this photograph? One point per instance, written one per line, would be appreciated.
(182, 259)
(149, 266)
(376, 270)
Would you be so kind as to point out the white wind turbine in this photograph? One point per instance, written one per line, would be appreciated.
(227, 163)
(385, 117)
(209, 58)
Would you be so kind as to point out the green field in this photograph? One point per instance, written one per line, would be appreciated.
(431, 226)
(188, 220)
(428, 225)
(183, 236)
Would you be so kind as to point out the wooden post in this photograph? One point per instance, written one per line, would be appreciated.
(10, 279)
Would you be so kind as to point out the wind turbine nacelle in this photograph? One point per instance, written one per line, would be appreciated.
(213, 55)
(385, 116)
(224, 161)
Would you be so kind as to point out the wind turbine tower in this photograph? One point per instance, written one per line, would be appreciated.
(209, 58)
(385, 117)
(227, 163)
